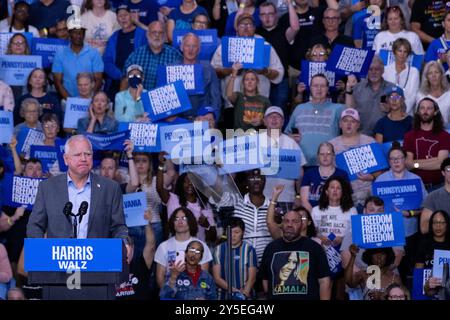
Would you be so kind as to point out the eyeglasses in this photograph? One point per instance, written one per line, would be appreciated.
(18, 43)
(437, 223)
(267, 14)
(243, 25)
(254, 179)
(395, 97)
(396, 159)
(196, 251)
(50, 126)
(394, 297)
(331, 18)
(447, 169)
(321, 54)
(203, 23)
(184, 218)
(304, 218)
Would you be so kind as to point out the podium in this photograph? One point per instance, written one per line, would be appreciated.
(76, 269)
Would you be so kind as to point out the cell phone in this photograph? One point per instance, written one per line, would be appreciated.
(294, 131)
(180, 257)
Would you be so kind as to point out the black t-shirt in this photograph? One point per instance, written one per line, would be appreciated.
(340, 39)
(138, 285)
(430, 14)
(426, 249)
(310, 26)
(125, 46)
(293, 269)
(14, 237)
(277, 38)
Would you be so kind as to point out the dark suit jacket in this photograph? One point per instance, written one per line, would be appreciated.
(106, 217)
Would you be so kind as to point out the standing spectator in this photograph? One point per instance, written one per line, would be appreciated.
(19, 20)
(220, 12)
(439, 46)
(331, 37)
(44, 14)
(428, 144)
(364, 32)
(98, 121)
(128, 105)
(365, 96)
(100, 23)
(6, 97)
(18, 45)
(436, 200)
(436, 86)
(426, 19)
(295, 267)
(73, 59)
(394, 27)
(119, 47)
(183, 16)
(403, 74)
(396, 123)
(156, 53)
(142, 11)
(243, 262)
(316, 121)
(316, 176)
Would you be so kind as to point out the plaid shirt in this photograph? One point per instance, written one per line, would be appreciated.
(150, 61)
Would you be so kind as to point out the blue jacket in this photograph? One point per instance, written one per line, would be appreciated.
(109, 57)
(184, 288)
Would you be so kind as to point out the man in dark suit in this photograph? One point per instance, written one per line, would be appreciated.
(104, 217)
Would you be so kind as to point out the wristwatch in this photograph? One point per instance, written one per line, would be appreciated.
(416, 165)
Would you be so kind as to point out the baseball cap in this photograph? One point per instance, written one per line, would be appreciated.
(395, 89)
(245, 16)
(135, 67)
(75, 24)
(205, 110)
(274, 109)
(123, 7)
(350, 112)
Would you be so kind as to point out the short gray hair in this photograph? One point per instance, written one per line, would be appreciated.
(25, 103)
(78, 137)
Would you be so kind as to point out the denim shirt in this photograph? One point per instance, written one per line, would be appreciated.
(185, 290)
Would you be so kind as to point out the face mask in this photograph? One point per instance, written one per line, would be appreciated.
(134, 81)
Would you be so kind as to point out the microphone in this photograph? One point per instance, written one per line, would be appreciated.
(82, 210)
(68, 209)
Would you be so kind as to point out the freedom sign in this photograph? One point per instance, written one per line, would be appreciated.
(6, 126)
(48, 155)
(311, 68)
(190, 74)
(14, 69)
(208, 41)
(246, 50)
(20, 191)
(166, 101)
(145, 136)
(378, 230)
(87, 255)
(346, 60)
(399, 195)
(46, 48)
(365, 159)
(76, 109)
(26, 138)
(134, 206)
(113, 141)
(420, 276)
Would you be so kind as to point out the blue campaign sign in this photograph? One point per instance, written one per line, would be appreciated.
(346, 60)
(26, 138)
(59, 143)
(47, 154)
(86, 255)
(20, 191)
(190, 74)
(166, 101)
(440, 257)
(14, 70)
(334, 259)
(169, 3)
(311, 68)
(288, 162)
(208, 41)
(6, 126)
(46, 48)
(5, 36)
(184, 143)
(378, 230)
(134, 206)
(367, 158)
(420, 276)
(414, 60)
(113, 141)
(144, 135)
(76, 108)
(399, 195)
(245, 50)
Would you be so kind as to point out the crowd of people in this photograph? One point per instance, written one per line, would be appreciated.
(282, 230)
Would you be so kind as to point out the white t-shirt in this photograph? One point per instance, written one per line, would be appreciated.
(385, 39)
(4, 27)
(167, 251)
(443, 101)
(332, 220)
(99, 29)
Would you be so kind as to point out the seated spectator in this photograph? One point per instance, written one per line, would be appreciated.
(397, 292)
(201, 22)
(249, 105)
(396, 123)
(99, 120)
(6, 97)
(19, 20)
(50, 126)
(15, 294)
(37, 87)
(61, 30)
(316, 176)
(118, 48)
(245, 258)
(435, 85)
(436, 200)
(30, 110)
(364, 33)
(394, 27)
(100, 23)
(187, 280)
(183, 16)
(183, 228)
(128, 105)
(402, 74)
(207, 113)
(439, 46)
